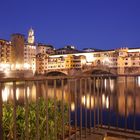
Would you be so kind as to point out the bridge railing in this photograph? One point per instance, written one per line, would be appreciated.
(73, 107)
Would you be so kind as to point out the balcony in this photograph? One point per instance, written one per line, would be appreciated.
(86, 107)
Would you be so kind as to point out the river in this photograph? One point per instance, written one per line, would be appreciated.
(112, 99)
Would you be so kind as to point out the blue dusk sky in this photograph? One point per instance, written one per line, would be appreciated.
(101, 24)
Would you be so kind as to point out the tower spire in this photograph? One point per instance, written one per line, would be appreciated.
(31, 37)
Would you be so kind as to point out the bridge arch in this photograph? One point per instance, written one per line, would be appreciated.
(56, 73)
(100, 70)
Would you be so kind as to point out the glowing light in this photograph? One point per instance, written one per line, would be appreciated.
(111, 85)
(72, 106)
(83, 61)
(106, 61)
(26, 65)
(107, 102)
(92, 102)
(17, 93)
(33, 93)
(86, 101)
(17, 66)
(5, 94)
(97, 83)
(139, 80)
(106, 138)
(103, 99)
(28, 92)
(4, 66)
(83, 100)
(89, 57)
(12, 66)
(134, 50)
(105, 83)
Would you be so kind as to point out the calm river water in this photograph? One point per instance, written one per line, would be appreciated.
(112, 96)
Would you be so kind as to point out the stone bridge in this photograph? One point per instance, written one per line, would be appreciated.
(57, 72)
(86, 70)
(101, 69)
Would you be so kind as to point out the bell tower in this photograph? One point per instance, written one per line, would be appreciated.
(31, 37)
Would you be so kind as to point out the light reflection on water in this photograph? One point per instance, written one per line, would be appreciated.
(110, 95)
(139, 81)
(5, 94)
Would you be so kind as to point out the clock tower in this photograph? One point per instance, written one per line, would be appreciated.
(31, 37)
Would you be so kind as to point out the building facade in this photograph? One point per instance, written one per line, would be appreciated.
(67, 50)
(6, 55)
(41, 63)
(18, 54)
(17, 42)
(30, 52)
(122, 60)
(43, 49)
(21, 55)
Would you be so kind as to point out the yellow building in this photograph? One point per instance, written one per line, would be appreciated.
(74, 62)
(56, 63)
(124, 60)
(41, 63)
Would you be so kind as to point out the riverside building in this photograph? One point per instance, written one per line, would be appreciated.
(45, 49)
(120, 61)
(6, 55)
(19, 55)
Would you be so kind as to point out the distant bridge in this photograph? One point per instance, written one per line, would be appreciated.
(86, 70)
(100, 69)
(56, 72)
